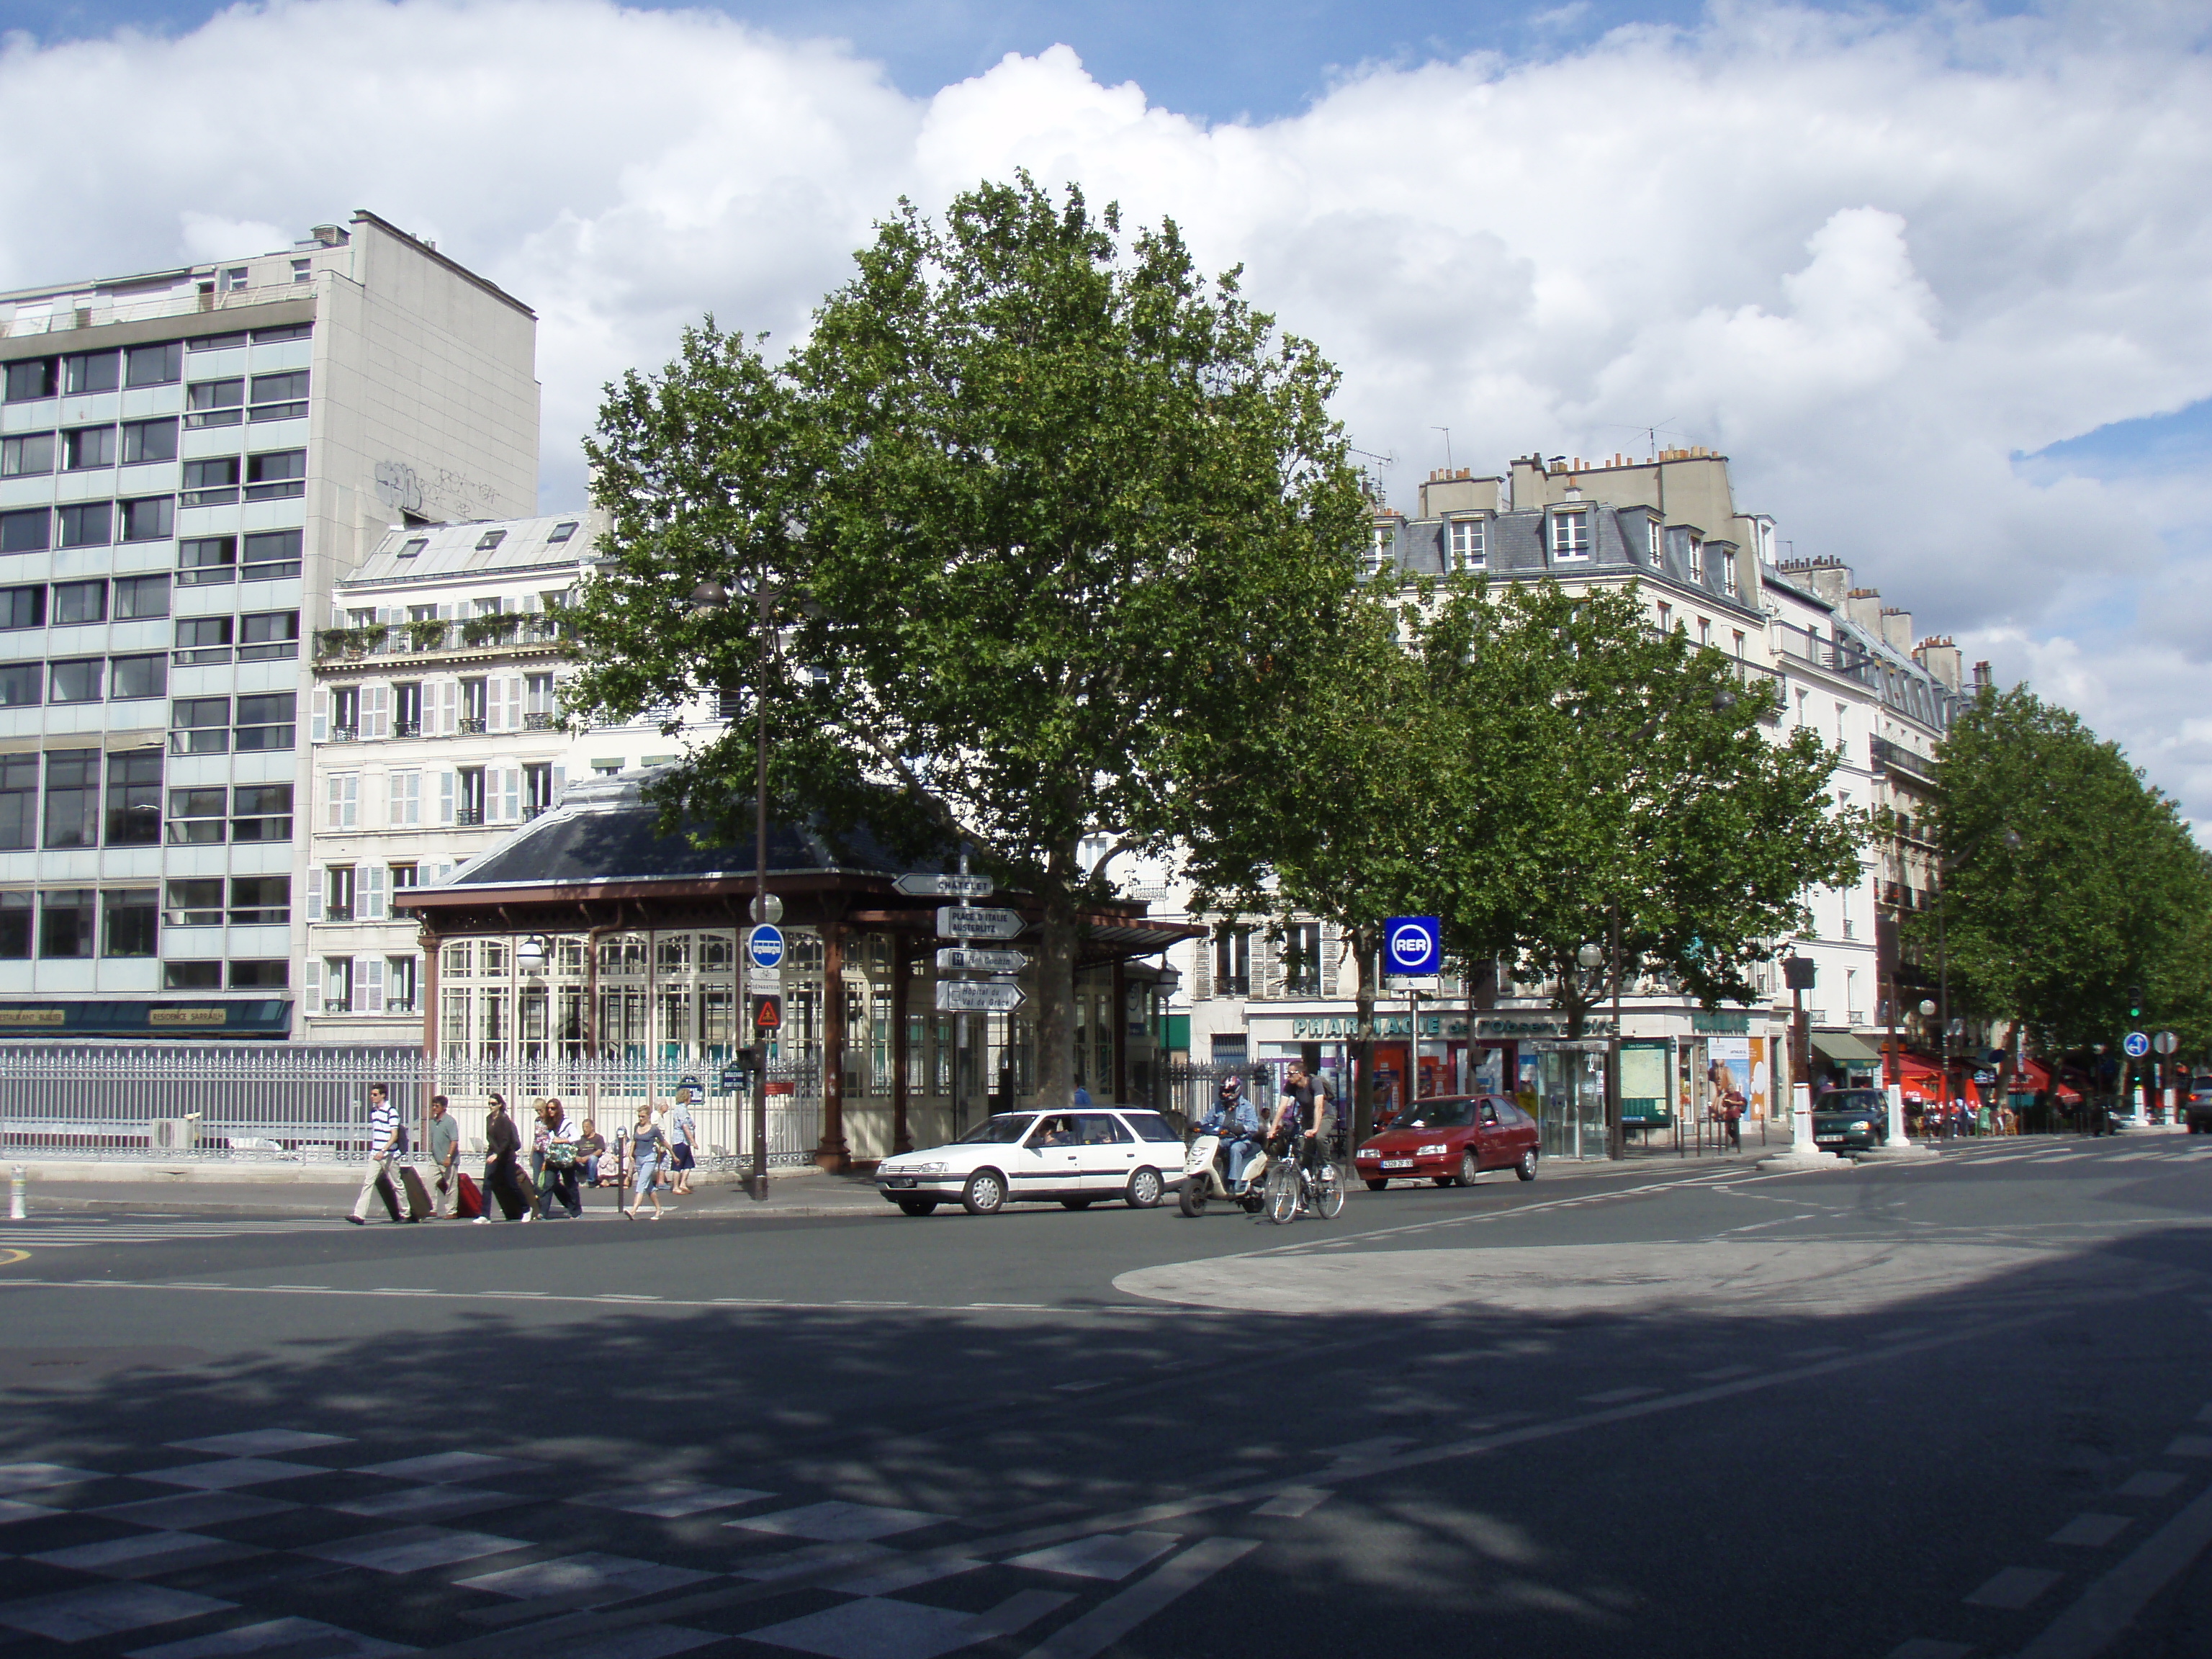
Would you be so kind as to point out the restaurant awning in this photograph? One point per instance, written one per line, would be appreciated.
(1845, 1049)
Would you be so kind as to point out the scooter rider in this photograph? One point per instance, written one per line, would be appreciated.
(1238, 1124)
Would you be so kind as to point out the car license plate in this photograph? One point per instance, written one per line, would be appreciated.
(1824, 1139)
(900, 1181)
(1397, 1163)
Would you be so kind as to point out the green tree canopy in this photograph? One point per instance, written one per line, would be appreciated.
(1043, 504)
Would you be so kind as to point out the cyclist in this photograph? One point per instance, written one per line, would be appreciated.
(1304, 1102)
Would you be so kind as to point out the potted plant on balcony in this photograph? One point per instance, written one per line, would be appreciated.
(489, 631)
(351, 643)
(425, 635)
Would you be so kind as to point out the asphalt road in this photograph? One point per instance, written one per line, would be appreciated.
(1670, 1410)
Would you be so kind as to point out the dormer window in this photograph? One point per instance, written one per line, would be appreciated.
(1652, 535)
(1571, 533)
(1469, 551)
(415, 546)
(1379, 552)
(490, 538)
(1694, 560)
(561, 531)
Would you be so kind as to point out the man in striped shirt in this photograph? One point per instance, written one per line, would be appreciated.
(385, 1146)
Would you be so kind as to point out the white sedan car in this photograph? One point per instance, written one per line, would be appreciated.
(1086, 1156)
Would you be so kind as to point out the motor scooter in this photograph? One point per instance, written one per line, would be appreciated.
(1205, 1177)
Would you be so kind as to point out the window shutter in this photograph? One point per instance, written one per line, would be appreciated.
(439, 716)
(352, 799)
(368, 983)
(1201, 970)
(510, 794)
(511, 711)
(445, 869)
(314, 892)
(376, 712)
(319, 717)
(1332, 952)
(372, 892)
(560, 783)
(312, 992)
(406, 800)
(445, 798)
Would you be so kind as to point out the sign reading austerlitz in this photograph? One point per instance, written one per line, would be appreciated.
(955, 958)
(976, 922)
(969, 996)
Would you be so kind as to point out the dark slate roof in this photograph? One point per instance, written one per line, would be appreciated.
(1515, 549)
(606, 830)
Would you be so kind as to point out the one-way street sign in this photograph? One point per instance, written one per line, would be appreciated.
(956, 959)
(972, 996)
(920, 883)
(966, 922)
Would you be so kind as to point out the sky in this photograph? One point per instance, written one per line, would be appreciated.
(1934, 277)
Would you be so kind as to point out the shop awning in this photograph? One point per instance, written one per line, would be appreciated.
(1845, 1049)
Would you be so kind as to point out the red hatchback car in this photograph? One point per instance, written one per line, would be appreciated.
(1450, 1140)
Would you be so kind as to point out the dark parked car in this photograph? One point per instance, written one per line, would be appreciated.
(1852, 1118)
(1450, 1140)
(2196, 1106)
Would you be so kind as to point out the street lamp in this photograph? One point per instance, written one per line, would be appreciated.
(708, 598)
(1592, 954)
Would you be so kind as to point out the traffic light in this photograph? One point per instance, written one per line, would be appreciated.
(2135, 1002)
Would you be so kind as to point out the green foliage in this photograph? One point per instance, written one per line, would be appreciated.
(1039, 505)
(1605, 772)
(2068, 880)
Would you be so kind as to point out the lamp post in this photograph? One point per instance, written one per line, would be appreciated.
(710, 596)
(1593, 956)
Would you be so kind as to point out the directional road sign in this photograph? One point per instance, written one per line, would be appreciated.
(1412, 945)
(974, 996)
(976, 922)
(2166, 1043)
(956, 958)
(765, 945)
(736, 1079)
(2136, 1045)
(920, 883)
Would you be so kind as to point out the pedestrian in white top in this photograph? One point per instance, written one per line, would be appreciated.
(683, 1136)
(387, 1141)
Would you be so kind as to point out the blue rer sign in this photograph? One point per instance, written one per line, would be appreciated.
(1412, 945)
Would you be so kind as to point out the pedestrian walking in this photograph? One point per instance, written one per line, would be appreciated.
(387, 1143)
(538, 1140)
(646, 1143)
(561, 1160)
(683, 1136)
(444, 1156)
(1732, 1105)
(503, 1174)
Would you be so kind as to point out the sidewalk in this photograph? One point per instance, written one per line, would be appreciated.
(127, 1191)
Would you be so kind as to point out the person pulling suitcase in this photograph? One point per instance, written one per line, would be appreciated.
(388, 1144)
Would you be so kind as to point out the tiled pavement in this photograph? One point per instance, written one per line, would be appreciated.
(290, 1543)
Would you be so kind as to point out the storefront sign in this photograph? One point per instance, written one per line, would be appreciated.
(1522, 1027)
(1719, 1021)
(187, 1017)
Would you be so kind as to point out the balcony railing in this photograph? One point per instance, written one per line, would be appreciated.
(337, 913)
(469, 817)
(473, 726)
(536, 721)
(430, 637)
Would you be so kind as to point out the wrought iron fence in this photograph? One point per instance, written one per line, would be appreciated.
(310, 1103)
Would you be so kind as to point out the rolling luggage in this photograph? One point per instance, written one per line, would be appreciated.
(419, 1207)
(468, 1204)
(385, 1191)
(512, 1203)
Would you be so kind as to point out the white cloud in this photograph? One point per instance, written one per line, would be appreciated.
(1871, 258)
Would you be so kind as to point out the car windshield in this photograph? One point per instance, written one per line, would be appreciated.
(1151, 1126)
(1441, 1114)
(1002, 1131)
(1852, 1100)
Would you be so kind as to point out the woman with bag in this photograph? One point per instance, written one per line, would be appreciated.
(503, 1181)
(561, 1156)
(647, 1144)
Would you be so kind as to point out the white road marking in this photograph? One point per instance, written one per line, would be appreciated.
(1109, 1556)
(2013, 1587)
(2189, 1445)
(2091, 1531)
(1295, 1504)
(2153, 1483)
(1115, 1617)
(2111, 1604)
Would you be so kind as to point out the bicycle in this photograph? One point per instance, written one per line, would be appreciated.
(1294, 1189)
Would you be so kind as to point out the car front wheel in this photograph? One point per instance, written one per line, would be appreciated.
(917, 1206)
(985, 1193)
(1376, 1185)
(1526, 1168)
(1469, 1166)
(1143, 1189)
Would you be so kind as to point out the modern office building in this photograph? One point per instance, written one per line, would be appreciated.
(189, 459)
(436, 726)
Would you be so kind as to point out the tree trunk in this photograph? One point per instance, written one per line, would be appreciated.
(1365, 940)
(1055, 1009)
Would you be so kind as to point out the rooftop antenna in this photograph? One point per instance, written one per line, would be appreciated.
(1447, 431)
(1650, 429)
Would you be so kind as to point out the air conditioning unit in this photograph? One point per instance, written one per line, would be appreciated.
(174, 1134)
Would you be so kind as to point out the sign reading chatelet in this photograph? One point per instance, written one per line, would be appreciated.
(959, 959)
(917, 884)
(976, 922)
(978, 996)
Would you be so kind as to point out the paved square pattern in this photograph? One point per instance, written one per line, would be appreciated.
(1110, 1556)
(39, 1477)
(259, 1443)
(877, 1627)
(2094, 1531)
(837, 1523)
(438, 1467)
(618, 1576)
(2155, 1483)
(96, 1610)
(187, 1509)
(671, 1500)
(2013, 1588)
(144, 1553)
(410, 1549)
(229, 1473)
(13, 1509)
(427, 1503)
(328, 1641)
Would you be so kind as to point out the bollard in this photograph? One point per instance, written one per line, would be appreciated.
(16, 1195)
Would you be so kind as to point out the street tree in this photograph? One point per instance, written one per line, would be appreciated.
(1612, 783)
(1039, 501)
